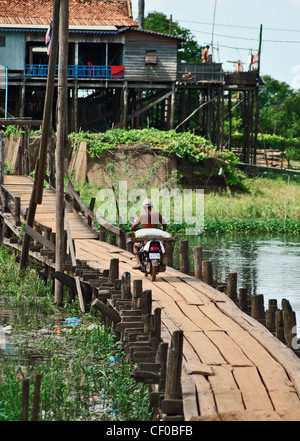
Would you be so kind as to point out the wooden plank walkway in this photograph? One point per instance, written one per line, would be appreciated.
(233, 367)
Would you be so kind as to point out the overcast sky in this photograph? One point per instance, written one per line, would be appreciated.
(236, 31)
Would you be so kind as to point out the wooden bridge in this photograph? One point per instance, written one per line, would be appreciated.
(229, 366)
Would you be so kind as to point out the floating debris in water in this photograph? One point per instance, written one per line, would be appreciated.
(73, 321)
(6, 329)
(113, 359)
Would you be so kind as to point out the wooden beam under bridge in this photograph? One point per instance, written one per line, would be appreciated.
(148, 106)
(20, 122)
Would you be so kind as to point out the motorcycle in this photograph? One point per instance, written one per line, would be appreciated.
(151, 258)
(151, 255)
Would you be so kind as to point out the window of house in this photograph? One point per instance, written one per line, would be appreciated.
(151, 57)
(2, 41)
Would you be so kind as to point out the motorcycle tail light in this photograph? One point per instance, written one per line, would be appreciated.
(154, 248)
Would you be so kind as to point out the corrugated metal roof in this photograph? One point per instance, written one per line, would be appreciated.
(145, 31)
(85, 30)
(88, 30)
(81, 13)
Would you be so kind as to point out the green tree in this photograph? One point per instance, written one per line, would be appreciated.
(291, 110)
(279, 108)
(190, 51)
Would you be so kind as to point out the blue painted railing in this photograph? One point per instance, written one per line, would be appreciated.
(78, 71)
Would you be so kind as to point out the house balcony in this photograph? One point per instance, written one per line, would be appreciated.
(78, 71)
(193, 73)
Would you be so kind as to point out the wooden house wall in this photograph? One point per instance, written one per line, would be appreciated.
(136, 69)
(12, 54)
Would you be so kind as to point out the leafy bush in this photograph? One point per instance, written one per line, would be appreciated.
(12, 130)
(270, 141)
(184, 144)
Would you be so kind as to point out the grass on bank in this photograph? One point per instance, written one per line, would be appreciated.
(270, 205)
(85, 374)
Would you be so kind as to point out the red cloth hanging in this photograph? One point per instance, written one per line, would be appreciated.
(117, 71)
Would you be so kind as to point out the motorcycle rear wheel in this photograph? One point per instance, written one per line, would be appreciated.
(153, 273)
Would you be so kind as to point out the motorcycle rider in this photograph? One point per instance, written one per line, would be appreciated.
(148, 219)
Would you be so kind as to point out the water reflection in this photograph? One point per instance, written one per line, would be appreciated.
(265, 264)
(21, 317)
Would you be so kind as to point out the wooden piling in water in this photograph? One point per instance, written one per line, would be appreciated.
(172, 403)
(140, 333)
(257, 307)
(161, 358)
(122, 240)
(289, 322)
(270, 315)
(207, 271)
(36, 397)
(232, 286)
(184, 264)
(243, 299)
(137, 294)
(146, 302)
(102, 234)
(113, 271)
(279, 328)
(174, 360)
(169, 253)
(106, 310)
(155, 328)
(126, 286)
(91, 207)
(198, 262)
(129, 243)
(25, 400)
